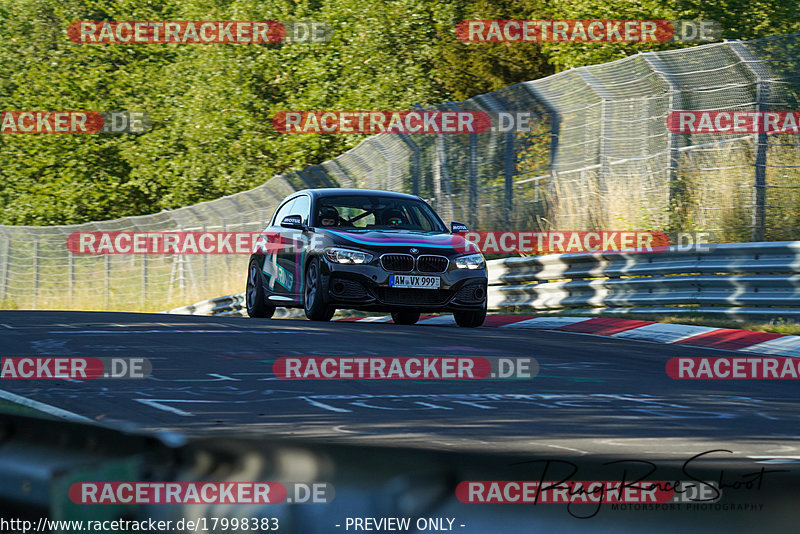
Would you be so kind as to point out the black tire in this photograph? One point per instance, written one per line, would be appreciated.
(405, 317)
(313, 296)
(254, 297)
(470, 319)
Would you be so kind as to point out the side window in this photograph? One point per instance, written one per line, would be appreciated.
(284, 211)
(302, 207)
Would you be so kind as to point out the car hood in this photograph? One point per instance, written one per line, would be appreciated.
(398, 240)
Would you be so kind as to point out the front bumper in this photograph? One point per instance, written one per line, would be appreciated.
(366, 287)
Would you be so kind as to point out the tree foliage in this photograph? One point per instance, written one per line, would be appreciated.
(211, 105)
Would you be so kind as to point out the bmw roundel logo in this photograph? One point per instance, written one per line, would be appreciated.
(414, 251)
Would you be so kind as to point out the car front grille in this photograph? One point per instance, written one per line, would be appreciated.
(391, 295)
(432, 264)
(398, 262)
(407, 263)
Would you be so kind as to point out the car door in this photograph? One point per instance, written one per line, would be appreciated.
(278, 267)
(292, 254)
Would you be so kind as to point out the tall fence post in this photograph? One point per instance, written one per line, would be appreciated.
(472, 173)
(35, 272)
(107, 279)
(473, 180)
(145, 259)
(509, 161)
(605, 102)
(322, 176)
(71, 279)
(555, 124)
(444, 192)
(762, 75)
(673, 139)
(414, 147)
(363, 167)
(493, 104)
(4, 260)
(226, 259)
(509, 166)
(204, 260)
(336, 173)
(388, 166)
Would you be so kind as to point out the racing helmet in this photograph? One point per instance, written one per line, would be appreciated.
(328, 213)
(393, 217)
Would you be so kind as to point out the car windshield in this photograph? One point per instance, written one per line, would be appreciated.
(376, 212)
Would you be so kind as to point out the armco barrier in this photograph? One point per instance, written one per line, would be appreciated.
(230, 306)
(745, 279)
(227, 305)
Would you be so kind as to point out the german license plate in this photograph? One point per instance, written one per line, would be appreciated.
(413, 281)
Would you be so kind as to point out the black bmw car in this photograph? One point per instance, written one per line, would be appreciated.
(365, 250)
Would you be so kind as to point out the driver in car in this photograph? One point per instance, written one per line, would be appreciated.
(393, 217)
(329, 216)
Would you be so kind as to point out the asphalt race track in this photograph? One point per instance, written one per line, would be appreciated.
(593, 395)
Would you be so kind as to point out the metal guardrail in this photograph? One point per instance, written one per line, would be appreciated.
(731, 278)
(746, 279)
(228, 306)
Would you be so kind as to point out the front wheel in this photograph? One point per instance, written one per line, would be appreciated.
(313, 297)
(254, 294)
(405, 317)
(470, 319)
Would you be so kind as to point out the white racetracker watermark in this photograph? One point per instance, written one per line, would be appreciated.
(74, 122)
(734, 122)
(374, 122)
(185, 493)
(404, 368)
(72, 368)
(199, 32)
(733, 368)
(587, 31)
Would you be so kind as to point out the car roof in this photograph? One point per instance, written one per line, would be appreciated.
(338, 191)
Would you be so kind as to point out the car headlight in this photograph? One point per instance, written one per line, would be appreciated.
(470, 261)
(344, 255)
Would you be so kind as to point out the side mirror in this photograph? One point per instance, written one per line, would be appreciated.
(457, 227)
(293, 221)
